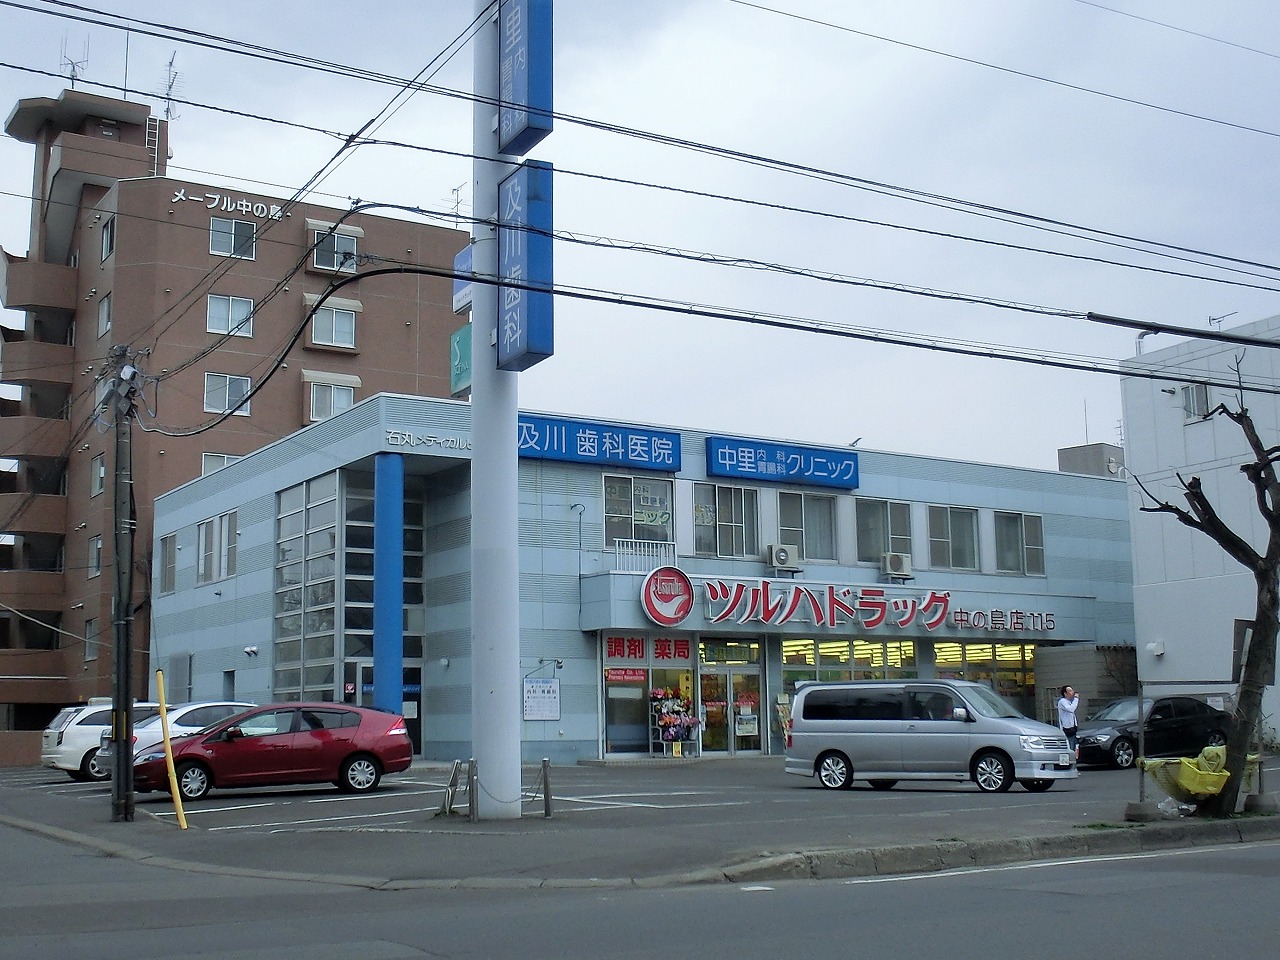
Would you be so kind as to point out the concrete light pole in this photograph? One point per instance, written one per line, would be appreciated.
(495, 576)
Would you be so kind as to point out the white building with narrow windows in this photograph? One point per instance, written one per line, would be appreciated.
(675, 584)
(1193, 604)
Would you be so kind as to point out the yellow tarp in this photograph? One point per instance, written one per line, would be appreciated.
(1189, 780)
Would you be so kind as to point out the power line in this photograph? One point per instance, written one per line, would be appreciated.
(1190, 33)
(1132, 101)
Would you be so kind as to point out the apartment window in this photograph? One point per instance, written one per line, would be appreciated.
(223, 392)
(168, 563)
(883, 526)
(233, 315)
(232, 238)
(1195, 401)
(95, 556)
(91, 639)
(334, 327)
(329, 398)
(104, 314)
(210, 462)
(808, 521)
(953, 538)
(97, 474)
(1020, 544)
(725, 521)
(637, 508)
(108, 237)
(217, 542)
(334, 251)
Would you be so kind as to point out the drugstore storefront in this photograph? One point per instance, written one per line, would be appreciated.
(725, 691)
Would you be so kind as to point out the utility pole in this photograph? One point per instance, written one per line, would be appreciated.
(120, 398)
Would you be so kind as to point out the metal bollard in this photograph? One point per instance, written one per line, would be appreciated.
(546, 788)
(473, 792)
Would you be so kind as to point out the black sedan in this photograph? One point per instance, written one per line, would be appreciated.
(1175, 727)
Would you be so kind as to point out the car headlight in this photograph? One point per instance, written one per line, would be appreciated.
(1032, 743)
(148, 757)
(1098, 738)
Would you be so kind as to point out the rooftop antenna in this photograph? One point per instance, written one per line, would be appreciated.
(457, 200)
(74, 68)
(1217, 321)
(173, 80)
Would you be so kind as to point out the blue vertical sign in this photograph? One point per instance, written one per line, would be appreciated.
(463, 267)
(526, 331)
(524, 74)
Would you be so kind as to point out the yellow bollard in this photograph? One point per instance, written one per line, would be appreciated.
(168, 751)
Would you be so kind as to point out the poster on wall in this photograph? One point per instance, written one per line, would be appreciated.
(541, 698)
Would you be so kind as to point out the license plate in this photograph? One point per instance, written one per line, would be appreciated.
(1064, 759)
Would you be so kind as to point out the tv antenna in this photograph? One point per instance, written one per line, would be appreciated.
(74, 68)
(172, 83)
(1217, 321)
(457, 199)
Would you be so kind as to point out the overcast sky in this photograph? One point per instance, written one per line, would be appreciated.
(985, 101)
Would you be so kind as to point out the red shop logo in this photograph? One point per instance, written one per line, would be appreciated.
(666, 595)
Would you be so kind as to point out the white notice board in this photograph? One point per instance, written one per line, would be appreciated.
(541, 698)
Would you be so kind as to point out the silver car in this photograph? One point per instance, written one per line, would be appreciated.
(883, 731)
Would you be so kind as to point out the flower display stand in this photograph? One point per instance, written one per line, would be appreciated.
(673, 729)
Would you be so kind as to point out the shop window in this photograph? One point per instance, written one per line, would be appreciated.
(725, 521)
(1020, 544)
(883, 526)
(953, 538)
(637, 508)
(232, 238)
(808, 521)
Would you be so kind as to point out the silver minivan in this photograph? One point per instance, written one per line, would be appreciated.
(883, 731)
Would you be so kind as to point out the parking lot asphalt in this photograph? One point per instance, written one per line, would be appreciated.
(634, 824)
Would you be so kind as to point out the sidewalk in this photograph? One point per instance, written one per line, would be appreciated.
(700, 822)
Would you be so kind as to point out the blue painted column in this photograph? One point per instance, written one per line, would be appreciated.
(388, 581)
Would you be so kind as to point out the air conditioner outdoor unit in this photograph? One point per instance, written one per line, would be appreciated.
(896, 564)
(784, 556)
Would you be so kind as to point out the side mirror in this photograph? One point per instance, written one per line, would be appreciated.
(960, 713)
(232, 733)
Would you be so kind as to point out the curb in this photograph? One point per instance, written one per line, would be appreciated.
(829, 864)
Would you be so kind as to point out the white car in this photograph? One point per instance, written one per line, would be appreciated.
(184, 719)
(71, 740)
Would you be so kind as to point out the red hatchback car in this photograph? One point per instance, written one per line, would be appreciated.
(283, 743)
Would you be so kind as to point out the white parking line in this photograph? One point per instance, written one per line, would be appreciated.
(347, 797)
(193, 810)
(294, 823)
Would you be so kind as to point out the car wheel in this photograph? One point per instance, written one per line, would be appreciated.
(1036, 786)
(883, 784)
(992, 772)
(834, 771)
(1217, 739)
(194, 781)
(94, 769)
(360, 774)
(1123, 755)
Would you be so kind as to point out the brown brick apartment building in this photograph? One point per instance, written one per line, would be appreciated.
(205, 287)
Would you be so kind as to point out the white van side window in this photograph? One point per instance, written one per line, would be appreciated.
(847, 704)
(930, 705)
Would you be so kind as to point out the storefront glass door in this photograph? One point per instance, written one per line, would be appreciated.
(730, 710)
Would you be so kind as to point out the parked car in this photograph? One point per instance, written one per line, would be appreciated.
(184, 720)
(71, 740)
(883, 731)
(283, 743)
(1175, 727)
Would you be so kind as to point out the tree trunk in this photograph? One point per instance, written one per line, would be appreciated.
(1256, 672)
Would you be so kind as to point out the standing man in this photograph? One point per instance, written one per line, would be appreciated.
(1067, 704)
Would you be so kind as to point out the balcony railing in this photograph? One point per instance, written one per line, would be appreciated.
(641, 556)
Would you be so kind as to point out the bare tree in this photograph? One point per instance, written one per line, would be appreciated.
(1260, 657)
